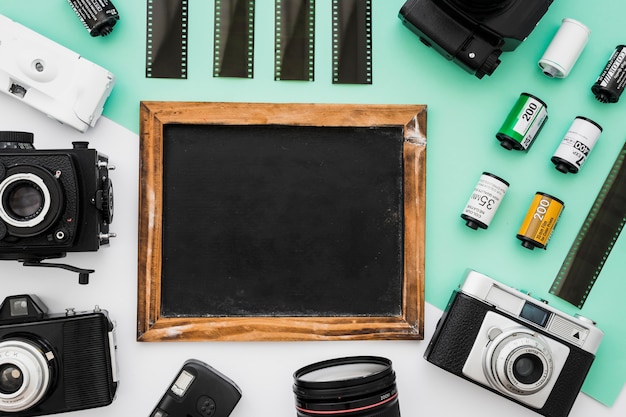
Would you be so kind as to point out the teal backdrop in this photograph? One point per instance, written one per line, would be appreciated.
(464, 113)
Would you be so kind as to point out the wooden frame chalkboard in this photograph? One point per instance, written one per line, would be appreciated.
(184, 293)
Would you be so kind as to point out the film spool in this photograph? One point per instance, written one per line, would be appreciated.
(540, 220)
(166, 38)
(610, 84)
(564, 49)
(523, 123)
(576, 145)
(98, 16)
(484, 201)
(294, 40)
(352, 41)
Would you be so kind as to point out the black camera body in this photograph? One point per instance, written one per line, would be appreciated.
(198, 390)
(473, 33)
(513, 345)
(52, 201)
(54, 363)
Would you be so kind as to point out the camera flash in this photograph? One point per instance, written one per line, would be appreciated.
(182, 383)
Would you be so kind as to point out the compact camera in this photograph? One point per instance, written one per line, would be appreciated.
(473, 33)
(52, 201)
(53, 363)
(514, 345)
(50, 77)
(198, 391)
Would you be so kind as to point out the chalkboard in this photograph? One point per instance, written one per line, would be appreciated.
(267, 221)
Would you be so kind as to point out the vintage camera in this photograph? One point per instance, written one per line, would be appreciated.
(52, 201)
(514, 345)
(473, 33)
(54, 363)
(198, 391)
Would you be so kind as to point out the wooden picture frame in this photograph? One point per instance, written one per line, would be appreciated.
(154, 326)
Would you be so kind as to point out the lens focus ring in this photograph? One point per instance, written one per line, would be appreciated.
(29, 376)
(520, 363)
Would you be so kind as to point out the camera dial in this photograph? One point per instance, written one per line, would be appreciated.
(25, 375)
(518, 361)
(16, 140)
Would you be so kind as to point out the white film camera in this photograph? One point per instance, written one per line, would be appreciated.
(50, 77)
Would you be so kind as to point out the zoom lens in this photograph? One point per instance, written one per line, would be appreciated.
(356, 386)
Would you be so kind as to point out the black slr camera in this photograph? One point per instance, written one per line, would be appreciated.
(198, 391)
(54, 363)
(473, 33)
(52, 201)
(514, 345)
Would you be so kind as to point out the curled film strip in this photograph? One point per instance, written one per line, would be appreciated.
(233, 52)
(595, 239)
(352, 41)
(166, 38)
(294, 40)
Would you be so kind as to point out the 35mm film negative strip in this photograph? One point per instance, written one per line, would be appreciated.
(294, 40)
(352, 41)
(233, 52)
(166, 38)
(596, 238)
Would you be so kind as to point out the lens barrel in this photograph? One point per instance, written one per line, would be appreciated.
(356, 386)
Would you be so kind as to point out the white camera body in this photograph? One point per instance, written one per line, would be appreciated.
(50, 77)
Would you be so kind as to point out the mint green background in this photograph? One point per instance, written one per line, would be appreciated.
(464, 114)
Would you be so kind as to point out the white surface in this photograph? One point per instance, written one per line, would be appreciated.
(263, 370)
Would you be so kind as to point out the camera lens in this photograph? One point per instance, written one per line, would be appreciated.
(528, 369)
(25, 374)
(11, 378)
(358, 386)
(25, 200)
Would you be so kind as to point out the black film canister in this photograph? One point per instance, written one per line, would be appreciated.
(98, 16)
(611, 82)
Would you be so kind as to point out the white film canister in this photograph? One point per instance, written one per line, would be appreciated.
(576, 145)
(484, 201)
(566, 46)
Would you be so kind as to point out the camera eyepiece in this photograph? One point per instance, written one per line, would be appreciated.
(359, 385)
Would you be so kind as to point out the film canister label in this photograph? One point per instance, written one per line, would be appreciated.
(98, 16)
(484, 201)
(540, 220)
(576, 145)
(523, 123)
(610, 84)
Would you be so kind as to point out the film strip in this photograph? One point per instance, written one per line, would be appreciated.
(294, 40)
(352, 41)
(166, 39)
(233, 52)
(596, 238)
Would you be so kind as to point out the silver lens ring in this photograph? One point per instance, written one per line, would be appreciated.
(28, 178)
(35, 375)
(508, 351)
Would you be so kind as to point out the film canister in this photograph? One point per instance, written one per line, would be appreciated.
(523, 123)
(540, 221)
(484, 201)
(576, 145)
(612, 80)
(564, 49)
(98, 16)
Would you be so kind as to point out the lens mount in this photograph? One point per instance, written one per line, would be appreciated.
(356, 385)
(519, 362)
(25, 375)
(30, 200)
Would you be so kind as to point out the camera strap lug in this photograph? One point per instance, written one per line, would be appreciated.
(83, 274)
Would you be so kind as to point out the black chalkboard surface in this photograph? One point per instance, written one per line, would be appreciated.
(280, 229)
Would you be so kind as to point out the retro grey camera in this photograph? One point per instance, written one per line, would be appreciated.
(514, 345)
(52, 363)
